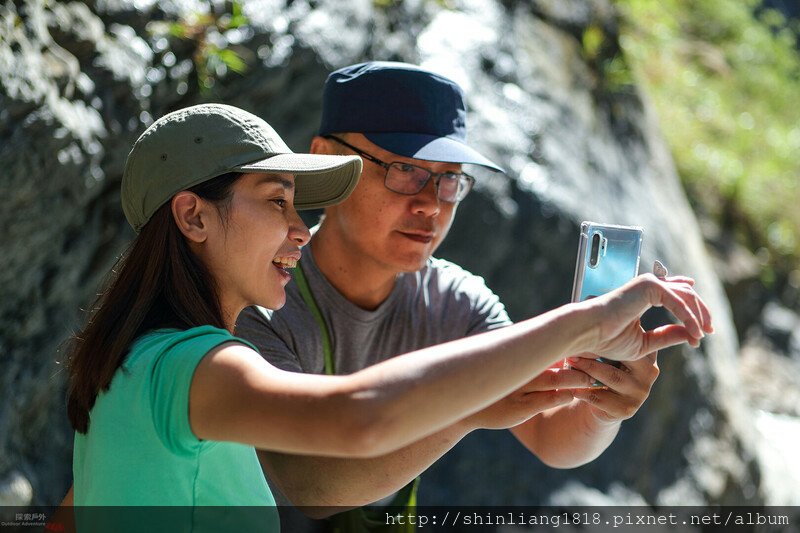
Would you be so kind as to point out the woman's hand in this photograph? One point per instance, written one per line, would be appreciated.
(618, 334)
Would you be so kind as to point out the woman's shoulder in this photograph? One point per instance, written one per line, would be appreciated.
(159, 342)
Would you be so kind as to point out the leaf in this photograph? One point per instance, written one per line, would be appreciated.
(593, 38)
(179, 30)
(233, 60)
(237, 21)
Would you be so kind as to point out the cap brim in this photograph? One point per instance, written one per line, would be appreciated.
(431, 148)
(320, 180)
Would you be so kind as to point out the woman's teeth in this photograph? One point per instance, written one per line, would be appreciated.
(285, 262)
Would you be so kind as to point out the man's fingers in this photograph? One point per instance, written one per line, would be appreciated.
(536, 402)
(613, 406)
(617, 379)
(557, 378)
(520, 406)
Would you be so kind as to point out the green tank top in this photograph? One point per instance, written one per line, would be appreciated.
(141, 453)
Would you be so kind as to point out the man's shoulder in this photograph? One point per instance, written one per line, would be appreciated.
(450, 290)
(258, 311)
(294, 304)
(437, 263)
(441, 281)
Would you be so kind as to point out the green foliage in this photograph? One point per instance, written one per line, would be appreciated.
(725, 79)
(603, 54)
(592, 41)
(212, 57)
(386, 4)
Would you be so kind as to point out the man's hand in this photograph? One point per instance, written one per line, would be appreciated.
(625, 389)
(577, 433)
(552, 388)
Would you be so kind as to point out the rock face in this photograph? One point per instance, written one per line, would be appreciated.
(80, 81)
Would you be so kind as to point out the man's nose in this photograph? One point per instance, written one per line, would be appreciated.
(426, 201)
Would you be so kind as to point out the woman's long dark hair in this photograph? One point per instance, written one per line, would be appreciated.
(157, 283)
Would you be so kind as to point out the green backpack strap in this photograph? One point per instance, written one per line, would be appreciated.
(308, 298)
(361, 519)
(376, 519)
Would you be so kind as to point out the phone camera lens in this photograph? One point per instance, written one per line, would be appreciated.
(594, 255)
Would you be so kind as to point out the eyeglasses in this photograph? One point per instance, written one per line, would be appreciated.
(405, 178)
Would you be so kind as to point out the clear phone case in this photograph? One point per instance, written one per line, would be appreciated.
(608, 257)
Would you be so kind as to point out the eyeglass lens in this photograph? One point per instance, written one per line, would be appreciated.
(409, 179)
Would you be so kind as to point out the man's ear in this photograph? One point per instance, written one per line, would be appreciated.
(190, 213)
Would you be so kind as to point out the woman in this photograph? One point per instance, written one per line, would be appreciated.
(168, 405)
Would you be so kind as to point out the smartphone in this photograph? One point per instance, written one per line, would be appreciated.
(608, 257)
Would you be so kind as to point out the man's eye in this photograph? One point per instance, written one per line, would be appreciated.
(280, 201)
(448, 183)
(402, 167)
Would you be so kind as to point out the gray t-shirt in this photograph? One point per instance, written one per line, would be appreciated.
(440, 303)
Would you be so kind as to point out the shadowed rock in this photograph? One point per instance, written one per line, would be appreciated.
(79, 82)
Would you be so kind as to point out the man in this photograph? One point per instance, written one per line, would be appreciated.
(368, 289)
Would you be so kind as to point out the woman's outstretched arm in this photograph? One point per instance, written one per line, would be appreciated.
(237, 396)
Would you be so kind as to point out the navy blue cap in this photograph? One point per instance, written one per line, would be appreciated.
(402, 108)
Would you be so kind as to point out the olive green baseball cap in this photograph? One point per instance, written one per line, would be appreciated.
(195, 144)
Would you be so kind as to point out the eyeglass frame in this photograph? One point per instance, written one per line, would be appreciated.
(436, 176)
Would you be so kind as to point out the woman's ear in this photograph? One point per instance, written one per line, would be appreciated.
(190, 213)
(321, 145)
